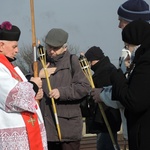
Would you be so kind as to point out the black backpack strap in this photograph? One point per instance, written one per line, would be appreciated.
(87, 104)
(71, 68)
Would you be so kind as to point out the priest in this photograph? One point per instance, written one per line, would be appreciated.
(21, 122)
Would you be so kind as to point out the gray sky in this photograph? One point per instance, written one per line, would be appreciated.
(88, 22)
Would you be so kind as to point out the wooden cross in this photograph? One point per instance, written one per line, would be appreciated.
(32, 120)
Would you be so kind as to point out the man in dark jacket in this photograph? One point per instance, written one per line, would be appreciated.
(67, 90)
(102, 68)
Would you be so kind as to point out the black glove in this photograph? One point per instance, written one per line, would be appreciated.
(95, 93)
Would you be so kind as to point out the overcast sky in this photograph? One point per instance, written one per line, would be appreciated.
(88, 22)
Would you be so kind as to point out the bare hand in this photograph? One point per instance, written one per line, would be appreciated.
(39, 94)
(37, 81)
(54, 94)
(49, 71)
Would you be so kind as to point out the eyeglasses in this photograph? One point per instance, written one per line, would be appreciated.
(126, 46)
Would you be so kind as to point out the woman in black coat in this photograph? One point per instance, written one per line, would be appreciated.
(134, 94)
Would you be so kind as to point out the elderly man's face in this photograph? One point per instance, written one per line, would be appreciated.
(55, 51)
(9, 48)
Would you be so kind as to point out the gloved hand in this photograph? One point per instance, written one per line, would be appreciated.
(95, 93)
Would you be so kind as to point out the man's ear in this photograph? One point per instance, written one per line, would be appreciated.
(65, 49)
(1, 46)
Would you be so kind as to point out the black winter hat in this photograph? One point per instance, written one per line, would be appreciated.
(136, 32)
(133, 10)
(94, 53)
(9, 32)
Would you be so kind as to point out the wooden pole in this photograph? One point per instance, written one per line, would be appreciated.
(35, 64)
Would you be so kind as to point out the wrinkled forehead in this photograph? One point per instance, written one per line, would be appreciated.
(8, 42)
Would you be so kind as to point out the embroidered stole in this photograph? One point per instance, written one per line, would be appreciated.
(30, 119)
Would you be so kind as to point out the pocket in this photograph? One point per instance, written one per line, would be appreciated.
(69, 111)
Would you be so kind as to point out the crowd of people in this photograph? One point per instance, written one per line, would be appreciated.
(122, 91)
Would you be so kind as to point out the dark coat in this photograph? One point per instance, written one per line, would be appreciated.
(68, 109)
(101, 77)
(134, 94)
